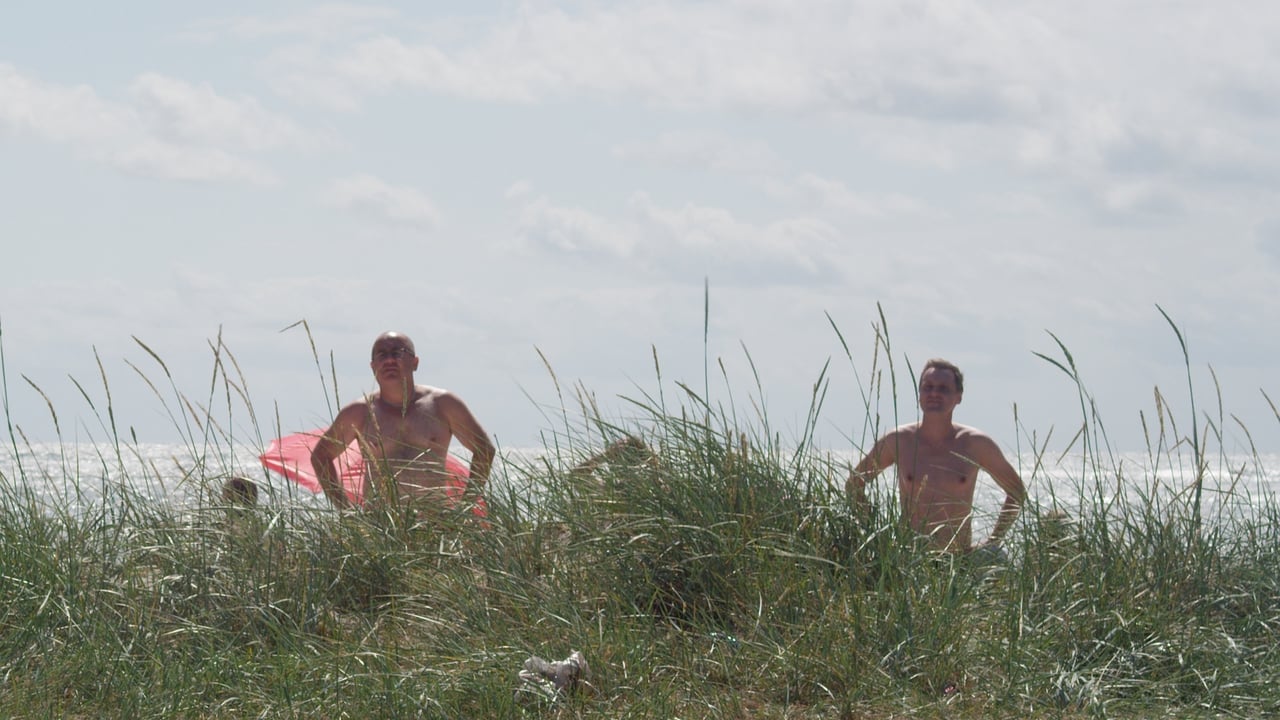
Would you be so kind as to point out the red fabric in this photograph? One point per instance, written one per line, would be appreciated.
(291, 457)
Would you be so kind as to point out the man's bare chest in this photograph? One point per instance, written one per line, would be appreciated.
(940, 467)
(398, 433)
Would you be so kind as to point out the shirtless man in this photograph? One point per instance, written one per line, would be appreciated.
(938, 463)
(404, 431)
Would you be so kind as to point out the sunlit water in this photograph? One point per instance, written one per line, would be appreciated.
(71, 478)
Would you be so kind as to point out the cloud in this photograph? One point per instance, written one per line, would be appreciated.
(683, 243)
(835, 195)
(1266, 237)
(321, 22)
(871, 57)
(712, 152)
(544, 226)
(518, 189)
(916, 149)
(1073, 95)
(167, 161)
(172, 130)
(703, 151)
(374, 196)
(198, 114)
(59, 114)
(1128, 199)
(794, 250)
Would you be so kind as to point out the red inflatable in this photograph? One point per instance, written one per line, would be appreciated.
(291, 457)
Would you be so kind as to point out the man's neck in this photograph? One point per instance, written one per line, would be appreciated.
(396, 394)
(936, 427)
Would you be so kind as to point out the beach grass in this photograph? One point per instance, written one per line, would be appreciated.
(704, 566)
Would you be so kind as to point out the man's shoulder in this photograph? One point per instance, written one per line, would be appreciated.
(903, 431)
(961, 434)
(975, 441)
(437, 401)
(968, 432)
(432, 394)
(359, 407)
(893, 439)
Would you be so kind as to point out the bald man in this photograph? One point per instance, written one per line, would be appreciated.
(404, 430)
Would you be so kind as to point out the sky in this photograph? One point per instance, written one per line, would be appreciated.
(626, 199)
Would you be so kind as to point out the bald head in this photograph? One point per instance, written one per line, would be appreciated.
(392, 342)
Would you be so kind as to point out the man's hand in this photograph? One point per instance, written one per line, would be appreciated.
(856, 487)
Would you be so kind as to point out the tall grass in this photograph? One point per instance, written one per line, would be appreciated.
(714, 569)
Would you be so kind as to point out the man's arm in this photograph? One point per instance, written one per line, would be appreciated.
(332, 444)
(630, 450)
(988, 456)
(883, 454)
(467, 429)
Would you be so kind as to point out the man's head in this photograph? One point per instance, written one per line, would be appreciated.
(240, 491)
(393, 355)
(946, 365)
(941, 386)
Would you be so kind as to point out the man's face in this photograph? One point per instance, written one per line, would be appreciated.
(938, 390)
(393, 357)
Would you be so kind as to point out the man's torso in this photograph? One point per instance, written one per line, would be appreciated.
(406, 443)
(936, 485)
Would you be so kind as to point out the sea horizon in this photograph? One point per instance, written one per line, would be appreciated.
(74, 476)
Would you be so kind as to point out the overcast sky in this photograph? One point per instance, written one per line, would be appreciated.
(499, 179)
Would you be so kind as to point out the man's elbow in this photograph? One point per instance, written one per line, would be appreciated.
(322, 457)
(860, 476)
(485, 448)
(1017, 495)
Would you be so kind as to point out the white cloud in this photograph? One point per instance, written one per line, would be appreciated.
(1266, 238)
(57, 113)
(1141, 197)
(172, 130)
(198, 114)
(518, 189)
(1094, 97)
(986, 169)
(704, 151)
(826, 57)
(917, 149)
(397, 203)
(167, 161)
(837, 196)
(317, 86)
(544, 226)
(687, 242)
(322, 22)
(712, 240)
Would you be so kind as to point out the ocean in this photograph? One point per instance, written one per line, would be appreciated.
(71, 478)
